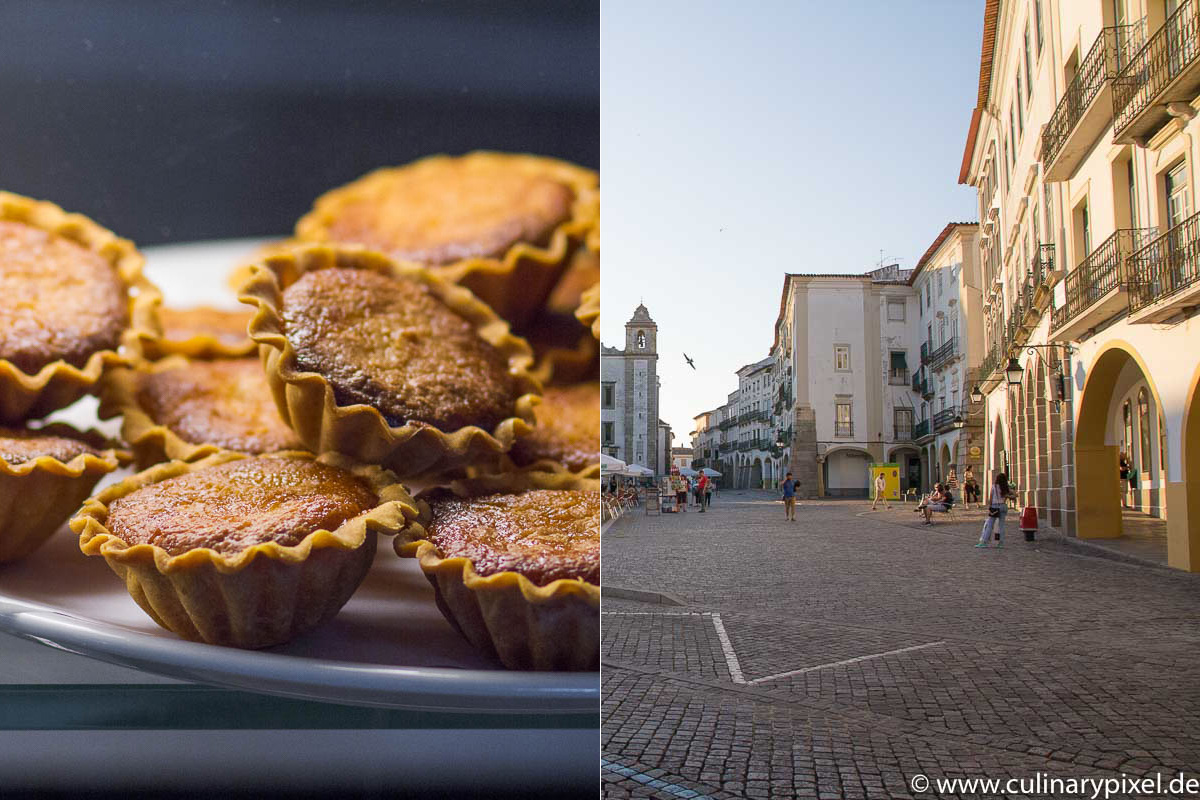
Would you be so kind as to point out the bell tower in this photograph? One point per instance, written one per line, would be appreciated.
(641, 334)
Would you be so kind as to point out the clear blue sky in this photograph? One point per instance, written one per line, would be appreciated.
(743, 140)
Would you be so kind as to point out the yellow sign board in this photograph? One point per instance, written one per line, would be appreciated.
(891, 478)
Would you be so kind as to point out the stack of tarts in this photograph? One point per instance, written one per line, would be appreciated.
(430, 327)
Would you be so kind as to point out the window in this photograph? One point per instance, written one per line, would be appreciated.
(843, 425)
(1049, 208)
(902, 423)
(1143, 401)
(607, 395)
(1037, 24)
(898, 368)
(841, 357)
(1178, 199)
(606, 432)
(920, 302)
(1012, 134)
(1007, 179)
(929, 294)
(939, 283)
(1131, 187)
(1028, 62)
(895, 310)
(1020, 107)
(1127, 439)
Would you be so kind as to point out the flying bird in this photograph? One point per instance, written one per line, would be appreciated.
(689, 360)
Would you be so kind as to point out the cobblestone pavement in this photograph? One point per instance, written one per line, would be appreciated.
(845, 653)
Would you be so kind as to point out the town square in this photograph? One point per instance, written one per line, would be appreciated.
(983, 411)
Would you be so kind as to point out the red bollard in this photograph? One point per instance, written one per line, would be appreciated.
(1029, 522)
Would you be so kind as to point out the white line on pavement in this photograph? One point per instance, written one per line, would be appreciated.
(731, 659)
(843, 663)
(658, 613)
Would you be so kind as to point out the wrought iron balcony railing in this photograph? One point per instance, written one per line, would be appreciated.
(946, 351)
(945, 418)
(1103, 271)
(845, 429)
(916, 382)
(904, 430)
(1166, 266)
(924, 353)
(921, 429)
(1111, 50)
(898, 377)
(1043, 265)
(1171, 51)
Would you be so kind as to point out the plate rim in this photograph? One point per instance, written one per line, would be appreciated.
(416, 688)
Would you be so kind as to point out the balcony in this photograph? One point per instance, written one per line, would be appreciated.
(897, 377)
(843, 430)
(1086, 106)
(903, 429)
(916, 382)
(945, 419)
(920, 430)
(946, 352)
(1164, 275)
(924, 353)
(1096, 290)
(1164, 71)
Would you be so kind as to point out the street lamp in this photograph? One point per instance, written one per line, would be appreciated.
(976, 394)
(1014, 372)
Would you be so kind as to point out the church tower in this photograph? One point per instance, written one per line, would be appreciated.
(641, 390)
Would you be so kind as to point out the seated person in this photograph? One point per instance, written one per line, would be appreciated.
(941, 501)
(925, 500)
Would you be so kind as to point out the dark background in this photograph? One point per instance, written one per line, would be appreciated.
(177, 120)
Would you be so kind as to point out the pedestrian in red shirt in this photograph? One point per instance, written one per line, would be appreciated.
(702, 492)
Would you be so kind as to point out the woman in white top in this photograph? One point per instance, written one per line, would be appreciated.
(997, 511)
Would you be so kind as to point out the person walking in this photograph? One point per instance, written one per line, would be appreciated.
(880, 492)
(789, 497)
(997, 511)
(702, 492)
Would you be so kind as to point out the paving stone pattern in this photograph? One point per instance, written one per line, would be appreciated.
(1014, 661)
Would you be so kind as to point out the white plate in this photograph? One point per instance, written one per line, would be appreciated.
(389, 646)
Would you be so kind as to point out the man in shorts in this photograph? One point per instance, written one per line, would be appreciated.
(789, 497)
(880, 492)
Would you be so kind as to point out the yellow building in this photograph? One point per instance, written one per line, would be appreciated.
(1083, 147)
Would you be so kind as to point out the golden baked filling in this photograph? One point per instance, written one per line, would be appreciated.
(20, 446)
(543, 534)
(446, 210)
(568, 428)
(227, 327)
(58, 300)
(390, 343)
(226, 402)
(236, 505)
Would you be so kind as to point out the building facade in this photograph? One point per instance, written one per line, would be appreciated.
(950, 428)
(1083, 148)
(629, 392)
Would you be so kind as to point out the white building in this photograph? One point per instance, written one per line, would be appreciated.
(629, 392)
(947, 280)
(1084, 146)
